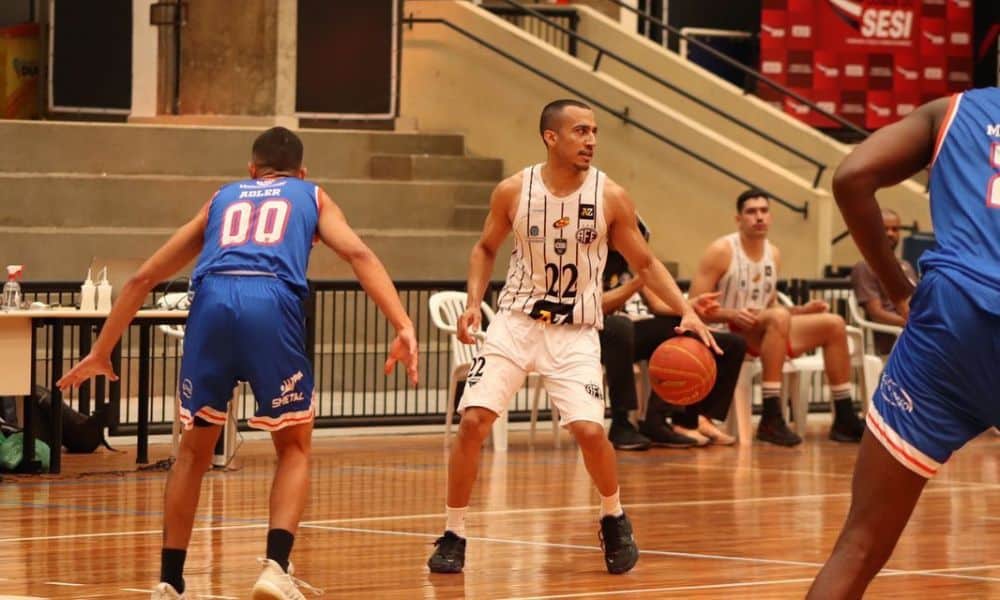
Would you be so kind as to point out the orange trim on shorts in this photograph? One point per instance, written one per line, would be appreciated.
(879, 428)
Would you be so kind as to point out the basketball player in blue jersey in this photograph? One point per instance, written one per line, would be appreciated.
(246, 323)
(563, 214)
(939, 387)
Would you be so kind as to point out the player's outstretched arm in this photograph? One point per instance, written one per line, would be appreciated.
(337, 234)
(503, 200)
(887, 157)
(625, 238)
(182, 247)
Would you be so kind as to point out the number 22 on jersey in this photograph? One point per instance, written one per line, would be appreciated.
(265, 224)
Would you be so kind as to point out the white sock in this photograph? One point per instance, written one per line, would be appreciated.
(612, 505)
(842, 391)
(456, 520)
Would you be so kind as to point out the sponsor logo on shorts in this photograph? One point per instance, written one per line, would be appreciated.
(187, 388)
(586, 235)
(288, 391)
(895, 395)
(594, 390)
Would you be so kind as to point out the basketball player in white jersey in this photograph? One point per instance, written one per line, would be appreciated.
(743, 267)
(564, 213)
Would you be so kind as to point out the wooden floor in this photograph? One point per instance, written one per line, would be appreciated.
(711, 523)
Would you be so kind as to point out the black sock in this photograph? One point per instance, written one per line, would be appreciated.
(619, 416)
(772, 408)
(172, 567)
(843, 408)
(279, 546)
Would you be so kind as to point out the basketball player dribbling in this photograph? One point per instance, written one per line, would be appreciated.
(939, 387)
(563, 213)
(247, 323)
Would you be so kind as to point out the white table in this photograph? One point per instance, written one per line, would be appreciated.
(17, 368)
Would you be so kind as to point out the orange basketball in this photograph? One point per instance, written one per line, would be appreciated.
(682, 370)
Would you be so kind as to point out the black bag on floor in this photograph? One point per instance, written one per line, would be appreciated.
(81, 434)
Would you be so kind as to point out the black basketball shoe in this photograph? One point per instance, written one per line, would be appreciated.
(620, 551)
(449, 554)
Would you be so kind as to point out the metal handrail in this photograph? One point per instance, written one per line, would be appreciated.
(914, 228)
(623, 115)
(741, 67)
(601, 52)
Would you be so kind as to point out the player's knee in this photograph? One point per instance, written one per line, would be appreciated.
(588, 434)
(476, 423)
(777, 319)
(293, 441)
(836, 326)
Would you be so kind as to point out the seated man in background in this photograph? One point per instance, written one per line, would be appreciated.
(637, 322)
(743, 267)
(870, 293)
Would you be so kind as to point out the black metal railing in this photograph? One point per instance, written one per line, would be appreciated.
(623, 115)
(603, 51)
(751, 74)
(348, 341)
(566, 17)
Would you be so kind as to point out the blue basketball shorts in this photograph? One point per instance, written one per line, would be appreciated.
(939, 388)
(246, 328)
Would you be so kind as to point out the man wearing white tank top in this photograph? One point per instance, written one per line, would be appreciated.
(743, 267)
(563, 213)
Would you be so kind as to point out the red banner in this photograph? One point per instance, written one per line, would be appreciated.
(873, 60)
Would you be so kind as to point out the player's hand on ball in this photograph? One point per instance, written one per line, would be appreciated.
(90, 366)
(404, 350)
(691, 322)
(468, 324)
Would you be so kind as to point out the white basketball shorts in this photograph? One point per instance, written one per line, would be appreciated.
(568, 357)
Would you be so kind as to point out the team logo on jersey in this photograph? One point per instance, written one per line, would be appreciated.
(587, 211)
(288, 391)
(895, 395)
(533, 231)
(561, 223)
(586, 235)
(594, 390)
(560, 246)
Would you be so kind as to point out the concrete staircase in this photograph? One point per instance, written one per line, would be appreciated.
(72, 191)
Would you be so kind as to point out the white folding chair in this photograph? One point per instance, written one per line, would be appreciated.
(181, 301)
(811, 364)
(868, 326)
(445, 308)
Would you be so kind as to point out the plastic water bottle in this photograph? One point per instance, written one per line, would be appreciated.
(88, 295)
(104, 293)
(12, 289)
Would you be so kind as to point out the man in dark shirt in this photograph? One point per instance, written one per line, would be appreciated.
(872, 296)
